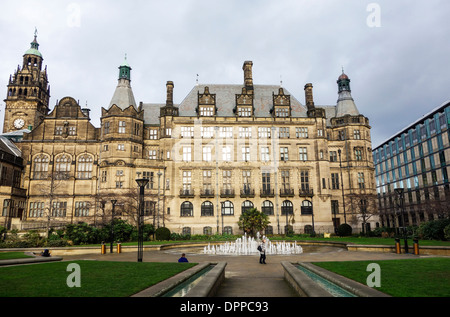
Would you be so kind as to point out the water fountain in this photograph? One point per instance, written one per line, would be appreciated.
(248, 246)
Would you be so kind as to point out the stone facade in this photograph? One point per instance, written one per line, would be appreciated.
(223, 149)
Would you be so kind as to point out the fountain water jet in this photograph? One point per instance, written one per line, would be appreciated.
(248, 245)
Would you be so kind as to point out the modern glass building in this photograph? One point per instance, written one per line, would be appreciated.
(412, 171)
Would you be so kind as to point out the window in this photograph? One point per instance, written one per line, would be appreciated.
(245, 132)
(306, 208)
(62, 166)
(153, 134)
(227, 208)
(246, 181)
(287, 208)
(36, 209)
(246, 206)
(72, 130)
(122, 125)
(207, 132)
(246, 153)
(85, 166)
(264, 132)
(104, 176)
(137, 129)
(285, 183)
(59, 209)
(265, 157)
(106, 128)
(283, 133)
(207, 182)
(266, 183)
(187, 209)
(207, 209)
(302, 154)
(282, 112)
(120, 147)
(333, 156)
(206, 111)
(244, 112)
(267, 207)
(187, 179)
(304, 181)
(207, 157)
(284, 154)
(6, 204)
(40, 169)
(152, 154)
(361, 182)
(149, 208)
(226, 176)
(334, 181)
(58, 130)
(301, 132)
(82, 209)
(187, 154)
(168, 132)
(334, 207)
(149, 176)
(358, 154)
(226, 154)
(187, 132)
(119, 184)
(356, 134)
(226, 132)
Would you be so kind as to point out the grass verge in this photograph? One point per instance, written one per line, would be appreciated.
(98, 279)
(425, 277)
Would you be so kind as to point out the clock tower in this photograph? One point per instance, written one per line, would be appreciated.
(28, 92)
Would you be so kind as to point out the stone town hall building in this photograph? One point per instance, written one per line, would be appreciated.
(222, 150)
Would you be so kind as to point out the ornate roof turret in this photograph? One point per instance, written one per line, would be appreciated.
(345, 103)
(123, 96)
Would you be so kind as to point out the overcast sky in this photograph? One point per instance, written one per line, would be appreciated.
(396, 53)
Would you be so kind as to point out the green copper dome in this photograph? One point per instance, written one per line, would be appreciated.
(34, 49)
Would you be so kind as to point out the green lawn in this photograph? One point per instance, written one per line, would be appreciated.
(98, 279)
(425, 277)
(13, 255)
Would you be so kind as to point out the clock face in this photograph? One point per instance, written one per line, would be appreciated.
(19, 123)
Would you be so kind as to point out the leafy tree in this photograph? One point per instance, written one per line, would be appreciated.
(253, 221)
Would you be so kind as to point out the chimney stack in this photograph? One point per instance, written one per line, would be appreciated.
(309, 96)
(169, 101)
(248, 76)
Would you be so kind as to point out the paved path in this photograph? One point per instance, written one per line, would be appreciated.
(244, 276)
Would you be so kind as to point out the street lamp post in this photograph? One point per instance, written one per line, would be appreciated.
(113, 202)
(399, 192)
(142, 182)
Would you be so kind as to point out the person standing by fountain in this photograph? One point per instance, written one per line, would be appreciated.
(262, 252)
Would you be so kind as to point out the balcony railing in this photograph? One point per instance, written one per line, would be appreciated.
(187, 193)
(207, 193)
(287, 192)
(227, 193)
(247, 192)
(306, 192)
(267, 193)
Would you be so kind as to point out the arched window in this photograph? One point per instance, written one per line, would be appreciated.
(187, 209)
(246, 206)
(207, 230)
(287, 207)
(228, 230)
(40, 168)
(207, 209)
(267, 207)
(62, 167)
(306, 207)
(85, 166)
(227, 208)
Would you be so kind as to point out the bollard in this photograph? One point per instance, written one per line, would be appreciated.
(103, 248)
(416, 246)
(119, 248)
(398, 248)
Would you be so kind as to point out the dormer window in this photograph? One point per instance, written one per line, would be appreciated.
(206, 103)
(206, 111)
(281, 105)
(244, 111)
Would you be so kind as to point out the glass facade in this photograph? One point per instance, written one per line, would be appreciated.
(417, 161)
